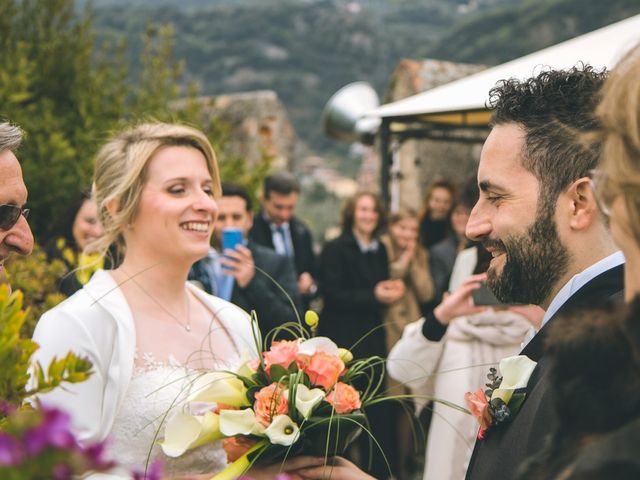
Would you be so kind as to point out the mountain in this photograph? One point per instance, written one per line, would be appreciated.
(305, 50)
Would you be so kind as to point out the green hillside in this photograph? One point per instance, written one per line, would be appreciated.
(307, 49)
(502, 34)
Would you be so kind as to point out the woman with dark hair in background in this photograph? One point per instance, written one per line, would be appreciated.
(436, 212)
(70, 240)
(355, 282)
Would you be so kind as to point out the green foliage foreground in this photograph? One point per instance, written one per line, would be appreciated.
(69, 94)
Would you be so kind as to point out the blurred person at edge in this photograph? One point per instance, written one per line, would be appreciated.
(251, 276)
(436, 212)
(148, 332)
(15, 234)
(408, 261)
(357, 288)
(71, 239)
(276, 226)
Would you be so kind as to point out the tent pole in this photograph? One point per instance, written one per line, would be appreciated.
(385, 161)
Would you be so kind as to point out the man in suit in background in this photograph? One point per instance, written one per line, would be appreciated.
(538, 216)
(15, 234)
(250, 276)
(277, 227)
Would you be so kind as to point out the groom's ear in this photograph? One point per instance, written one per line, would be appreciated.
(583, 207)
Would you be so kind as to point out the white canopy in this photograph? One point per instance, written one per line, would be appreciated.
(457, 101)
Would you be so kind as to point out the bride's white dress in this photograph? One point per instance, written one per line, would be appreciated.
(155, 392)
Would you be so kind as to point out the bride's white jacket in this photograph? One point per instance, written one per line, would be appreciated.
(96, 322)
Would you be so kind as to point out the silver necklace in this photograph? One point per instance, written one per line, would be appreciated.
(186, 326)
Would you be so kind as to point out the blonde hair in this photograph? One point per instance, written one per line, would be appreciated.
(619, 114)
(121, 169)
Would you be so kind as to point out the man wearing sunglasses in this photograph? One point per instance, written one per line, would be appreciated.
(15, 234)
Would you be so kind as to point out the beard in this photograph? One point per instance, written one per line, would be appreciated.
(534, 263)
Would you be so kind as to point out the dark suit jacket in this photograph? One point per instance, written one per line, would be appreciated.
(347, 281)
(300, 237)
(263, 294)
(505, 447)
(304, 258)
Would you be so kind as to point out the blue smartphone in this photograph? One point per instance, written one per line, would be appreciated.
(231, 237)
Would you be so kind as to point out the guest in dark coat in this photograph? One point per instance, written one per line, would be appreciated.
(277, 228)
(355, 282)
(257, 275)
(436, 212)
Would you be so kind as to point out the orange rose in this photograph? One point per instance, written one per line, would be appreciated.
(281, 353)
(237, 446)
(344, 398)
(324, 369)
(478, 404)
(270, 401)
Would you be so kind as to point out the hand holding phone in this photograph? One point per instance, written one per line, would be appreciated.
(484, 296)
(231, 237)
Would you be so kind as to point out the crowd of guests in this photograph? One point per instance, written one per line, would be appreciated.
(155, 296)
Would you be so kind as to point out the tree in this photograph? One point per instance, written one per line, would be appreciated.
(69, 94)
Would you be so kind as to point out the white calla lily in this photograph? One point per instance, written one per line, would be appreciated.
(307, 399)
(240, 422)
(318, 344)
(184, 432)
(516, 371)
(219, 387)
(282, 431)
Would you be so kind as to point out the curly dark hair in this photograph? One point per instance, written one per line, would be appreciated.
(555, 108)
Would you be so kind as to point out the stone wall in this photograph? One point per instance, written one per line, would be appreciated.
(259, 125)
(420, 161)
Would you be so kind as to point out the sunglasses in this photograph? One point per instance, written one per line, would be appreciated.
(9, 215)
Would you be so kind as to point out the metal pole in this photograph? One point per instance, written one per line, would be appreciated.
(385, 161)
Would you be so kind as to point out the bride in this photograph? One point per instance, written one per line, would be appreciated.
(145, 329)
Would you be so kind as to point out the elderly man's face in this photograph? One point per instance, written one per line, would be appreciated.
(13, 191)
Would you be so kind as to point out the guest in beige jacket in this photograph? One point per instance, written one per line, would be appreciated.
(409, 262)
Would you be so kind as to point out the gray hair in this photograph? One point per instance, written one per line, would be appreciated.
(10, 137)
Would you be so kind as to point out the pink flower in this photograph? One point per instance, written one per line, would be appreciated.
(281, 353)
(344, 398)
(323, 369)
(478, 404)
(270, 401)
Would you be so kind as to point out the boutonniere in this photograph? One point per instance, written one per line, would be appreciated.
(504, 394)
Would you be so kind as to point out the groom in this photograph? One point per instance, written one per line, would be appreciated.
(15, 235)
(538, 217)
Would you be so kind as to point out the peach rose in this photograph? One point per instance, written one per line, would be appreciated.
(478, 404)
(323, 369)
(344, 398)
(270, 401)
(235, 447)
(281, 353)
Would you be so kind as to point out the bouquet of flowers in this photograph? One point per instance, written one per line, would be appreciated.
(298, 397)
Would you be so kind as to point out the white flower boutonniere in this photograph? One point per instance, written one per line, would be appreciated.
(504, 394)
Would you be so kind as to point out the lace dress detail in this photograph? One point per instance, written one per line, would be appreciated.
(156, 391)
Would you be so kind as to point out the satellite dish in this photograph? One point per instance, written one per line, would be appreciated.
(344, 117)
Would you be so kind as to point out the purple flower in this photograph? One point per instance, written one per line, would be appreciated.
(53, 431)
(10, 450)
(62, 471)
(154, 472)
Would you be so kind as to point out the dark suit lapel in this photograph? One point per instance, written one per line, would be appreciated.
(605, 287)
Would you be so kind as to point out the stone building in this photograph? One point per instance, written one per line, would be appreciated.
(258, 125)
(418, 161)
